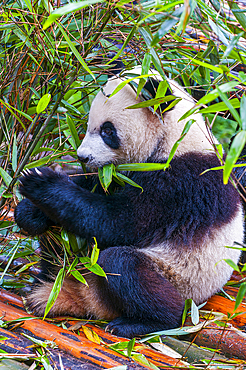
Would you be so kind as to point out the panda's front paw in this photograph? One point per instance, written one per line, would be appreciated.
(37, 184)
(31, 219)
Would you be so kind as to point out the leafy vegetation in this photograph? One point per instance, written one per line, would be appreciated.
(55, 56)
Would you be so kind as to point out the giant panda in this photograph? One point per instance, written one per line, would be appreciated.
(158, 246)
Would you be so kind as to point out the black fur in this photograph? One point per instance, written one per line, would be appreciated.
(138, 292)
(191, 203)
(179, 205)
(152, 86)
(109, 135)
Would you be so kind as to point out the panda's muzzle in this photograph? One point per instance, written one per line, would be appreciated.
(84, 158)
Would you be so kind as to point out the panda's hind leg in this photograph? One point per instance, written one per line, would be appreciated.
(134, 296)
(144, 300)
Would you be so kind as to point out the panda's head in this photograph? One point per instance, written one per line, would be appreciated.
(118, 135)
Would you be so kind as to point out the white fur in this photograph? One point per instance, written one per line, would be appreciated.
(199, 271)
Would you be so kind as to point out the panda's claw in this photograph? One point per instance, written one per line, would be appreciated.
(38, 171)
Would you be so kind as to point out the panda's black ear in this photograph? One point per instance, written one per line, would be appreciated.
(150, 88)
(115, 67)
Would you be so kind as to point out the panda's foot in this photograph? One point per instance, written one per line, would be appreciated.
(130, 328)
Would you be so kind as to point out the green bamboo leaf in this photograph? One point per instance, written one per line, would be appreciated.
(108, 170)
(229, 86)
(130, 347)
(14, 153)
(161, 92)
(54, 291)
(69, 8)
(5, 176)
(79, 277)
(94, 253)
(141, 167)
(96, 269)
(74, 50)
(65, 241)
(232, 264)
(43, 103)
(127, 180)
(73, 265)
(73, 131)
(139, 357)
(233, 155)
(145, 70)
(183, 134)
(105, 175)
(152, 102)
(167, 25)
(220, 107)
(84, 259)
(17, 110)
(243, 112)
(73, 242)
(125, 82)
(244, 266)
(240, 295)
(209, 66)
(229, 105)
(237, 13)
(187, 306)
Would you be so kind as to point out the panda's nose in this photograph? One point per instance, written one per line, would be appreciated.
(83, 159)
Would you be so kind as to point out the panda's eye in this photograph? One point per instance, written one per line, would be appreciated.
(109, 135)
(107, 131)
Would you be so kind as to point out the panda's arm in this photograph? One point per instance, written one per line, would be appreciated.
(109, 218)
(34, 221)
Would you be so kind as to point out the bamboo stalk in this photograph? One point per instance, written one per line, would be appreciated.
(77, 345)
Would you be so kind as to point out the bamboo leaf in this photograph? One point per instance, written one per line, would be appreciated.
(75, 51)
(14, 154)
(5, 176)
(194, 313)
(54, 291)
(125, 82)
(234, 153)
(130, 347)
(94, 253)
(152, 102)
(141, 167)
(43, 103)
(91, 335)
(127, 180)
(78, 276)
(73, 131)
(167, 25)
(240, 295)
(243, 112)
(96, 269)
(237, 13)
(230, 106)
(232, 264)
(69, 8)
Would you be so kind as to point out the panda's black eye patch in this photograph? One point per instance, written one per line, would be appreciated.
(109, 135)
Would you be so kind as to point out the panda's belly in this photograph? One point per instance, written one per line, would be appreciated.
(199, 271)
